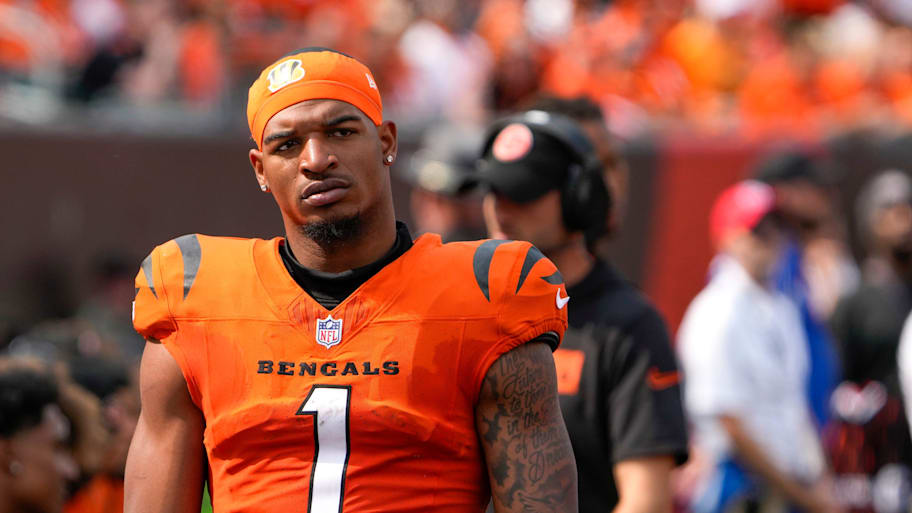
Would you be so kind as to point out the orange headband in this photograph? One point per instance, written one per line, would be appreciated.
(310, 74)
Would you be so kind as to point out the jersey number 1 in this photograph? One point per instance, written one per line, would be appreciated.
(329, 406)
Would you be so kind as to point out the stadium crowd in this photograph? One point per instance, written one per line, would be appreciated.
(801, 67)
(796, 69)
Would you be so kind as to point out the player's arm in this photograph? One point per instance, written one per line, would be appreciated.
(165, 466)
(644, 484)
(530, 460)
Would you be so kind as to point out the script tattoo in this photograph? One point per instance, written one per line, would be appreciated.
(530, 460)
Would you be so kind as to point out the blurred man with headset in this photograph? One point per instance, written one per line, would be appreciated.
(617, 376)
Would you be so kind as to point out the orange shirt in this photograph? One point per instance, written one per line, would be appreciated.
(897, 87)
(103, 494)
(369, 406)
(773, 100)
(841, 88)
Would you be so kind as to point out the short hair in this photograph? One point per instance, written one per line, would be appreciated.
(112, 265)
(580, 109)
(25, 390)
(886, 189)
(792, 164)
(103, 377)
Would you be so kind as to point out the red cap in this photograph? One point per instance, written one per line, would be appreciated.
(740, 208)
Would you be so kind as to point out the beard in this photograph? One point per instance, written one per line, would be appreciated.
(902, 254)
(333, 232)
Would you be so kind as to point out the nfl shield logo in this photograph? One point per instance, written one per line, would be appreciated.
(329, 331)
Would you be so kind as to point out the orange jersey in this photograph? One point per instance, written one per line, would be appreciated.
(367, 407)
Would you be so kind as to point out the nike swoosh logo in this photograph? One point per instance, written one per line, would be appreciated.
(561, 301)
(659, 380)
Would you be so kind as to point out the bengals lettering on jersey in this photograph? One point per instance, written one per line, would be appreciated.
(360, 407)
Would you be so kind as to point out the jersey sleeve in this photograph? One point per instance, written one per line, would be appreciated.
(152, 316)
(644, 402)
(538, 303)
(527, 294)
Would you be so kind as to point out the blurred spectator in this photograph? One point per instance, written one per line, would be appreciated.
(868, 323)
(101, 325)
(151, 51)
(745, 363)
(110, 46)
(515, 70)
(156, 26)
(871, 444)
(98, 398)
(814, 269)
(772, 98)
(441, 174)
(201, 61)
(106, 312)
(83, 410)
(515, 79)
(893, 72)
(45, 289)
(111, 384)
(447, 66)
(35, 462)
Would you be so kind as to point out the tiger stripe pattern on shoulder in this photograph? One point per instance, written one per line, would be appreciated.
(484, 255)
(481, 264)
(147, 272)
(191, 254)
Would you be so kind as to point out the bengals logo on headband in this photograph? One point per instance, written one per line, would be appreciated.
(286, 72)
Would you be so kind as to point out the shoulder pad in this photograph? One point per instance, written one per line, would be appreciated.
(497, 262)
(164, 281)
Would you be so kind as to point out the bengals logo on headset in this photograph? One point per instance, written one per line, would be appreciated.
(512, 143)
(286, 72)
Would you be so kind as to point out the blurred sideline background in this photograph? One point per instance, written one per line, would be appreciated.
(122, 123)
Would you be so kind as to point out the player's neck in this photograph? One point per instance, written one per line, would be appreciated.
(369, 245)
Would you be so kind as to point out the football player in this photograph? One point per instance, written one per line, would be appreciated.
(345, 367)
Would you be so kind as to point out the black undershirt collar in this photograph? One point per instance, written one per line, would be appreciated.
(330, 289)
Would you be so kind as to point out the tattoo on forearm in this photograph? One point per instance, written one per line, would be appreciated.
(530, 458)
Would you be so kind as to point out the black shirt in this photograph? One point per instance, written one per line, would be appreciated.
(330, 289)
(627, 402)
(867, 326)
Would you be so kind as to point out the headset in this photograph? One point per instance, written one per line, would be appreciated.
(585, 199)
